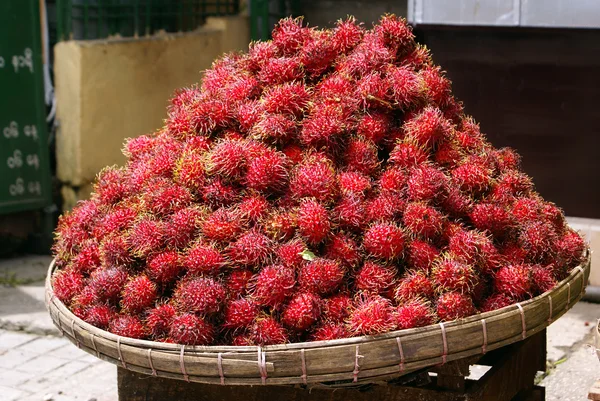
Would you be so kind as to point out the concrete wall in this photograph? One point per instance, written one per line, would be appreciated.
(324, 13)
(109, 90)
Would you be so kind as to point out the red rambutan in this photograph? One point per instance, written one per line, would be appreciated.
(514, 281)
(337, 308)
(496, 301)
(373, 278)
(127, 326)
(236, 283)
(415, 313)
(454, 305)
(66, 284)
(421, 254)
(426, 183)
(302, 311)
(164, 267)
(159, 320)
(313, 221)
(329, 331)
(453, 275)
(372, 315)
(222, 225)
(321, 276)
(240, 313)
(99, 316)
(384, 240)
(108, 283)
(138, 294)
(273, 285)
(413, 285)
(423, 221)
(199, 295)
(343, 249)
(190, 329)
(428, 128)
(268, 331)
(250, 249)
(315, 177)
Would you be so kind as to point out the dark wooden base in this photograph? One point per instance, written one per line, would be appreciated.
(511, 377)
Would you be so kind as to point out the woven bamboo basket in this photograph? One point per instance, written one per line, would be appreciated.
(343, 362)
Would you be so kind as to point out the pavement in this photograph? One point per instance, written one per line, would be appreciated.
(37, 364)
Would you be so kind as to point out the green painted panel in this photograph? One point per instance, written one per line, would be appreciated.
(24, 164)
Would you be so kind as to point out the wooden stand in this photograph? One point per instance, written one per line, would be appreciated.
(511, 377)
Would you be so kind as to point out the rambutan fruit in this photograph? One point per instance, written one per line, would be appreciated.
(127, 326)
(242, 340)
(313, 221)
(426, 183)
(110, 186)
(337, 308)
(372, 315)
(452, 275)
(164, 267)
(469, 136)
(493, 218)
(349, 212)
(317, 52)
(138, 294)
(159, 320)
(146, 236)
(302, 311)
(393, 181)
(268, 331)
(438, 86)
(428, 128)
(66, 284)
(542, 280)
(222, 225)
(537, 238)
(199, 295)
(280, 225)
(407, 154)
(84, 300)
(329, 331)
(190, 329)
(248, 114)
(217, 192)
(88, 258)
(413, 284)
(273, 285)
(182, 226)
(448, 155)
(203, 258)
(179, 123)
(361, 156)
(507, 159)
(115, 220)
(253, 207)
(554, 215)
(385, 206)
(236, 283)
(457, 203)
(259, 53)
(384, 240)
(108, 283)
(138, 147)
(395, 33)
(250, 249)
(472, 177)
(240, 313)
(290, 253)
(517, 183)
(454, 305)
(167, 199)
(526, 210)
(315, 177)
(496, 301)
(343, 249)
(280, 70)
(421, 254)
(569, 248)
(321, 276)
(475, 249)
(268, 172)
(274, 128)
(374, 278)
(423, 221)
(374, 126)
(228, 159)
(114, 251)
(325, 125)
(371, 90)
(290, 98)
(513, 252)
(209, 114)
(405, 87)
(289, 35)
(99, 316)
(415, 313)
(515, 281)
(354, 183)
(347, 34)
(369, 55)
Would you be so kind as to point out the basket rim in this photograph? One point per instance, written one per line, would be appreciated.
(581, 268)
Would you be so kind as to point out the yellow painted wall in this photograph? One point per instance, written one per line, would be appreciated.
(109, 90)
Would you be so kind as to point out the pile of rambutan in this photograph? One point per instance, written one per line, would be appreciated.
(324, 185)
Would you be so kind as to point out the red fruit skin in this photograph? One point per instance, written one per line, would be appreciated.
(350, 213)
(182, 226)
(168, 199)
(343, 249)
(493, 218)
(426, 184)
(393, 181)
(289, 35)
(159, 320)
(448, 155)
(406, 155)
(302, 311)
(414, 314)
(139, 293)
(496, 301)
(428, 128)
(254, 207)
(268, 331)
(405, 88)
(321, 276)
(267, 173)
(217, 192)
(273, 285)
(240, 313)
(66, 284)
(108, 283)
(371, 90)
(127, 326)
(190, 329)
(454, 305)
(423, 221)
(413, 285)
(164, 267)
(384, 240)
(354, 183)
(199, 295)
(374, 127)
(373, 278)
(475, 249)
(313, 221)
(337, 308)
(453, 275)
(384, 207)
(472, 177)
(99, 316)
(526, 210)
(537, 238)
(236, 283)
(222, 225)
(280, 225)
(313, 178)
(289, 98)
(202, 258)
(347, 34)
(110, 185)
(570, 248)
(325, 126)
(372, 315)
(146, 236)
(227, 159)
(421, 255)
(289, 254)
(438, 87)
(251, 249)
(329, 331)
(113, 221)
(542, 280)
(514, 281)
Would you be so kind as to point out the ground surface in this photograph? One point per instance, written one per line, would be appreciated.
(37, 364)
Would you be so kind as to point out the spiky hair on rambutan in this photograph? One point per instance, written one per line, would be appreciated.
(325, 184)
